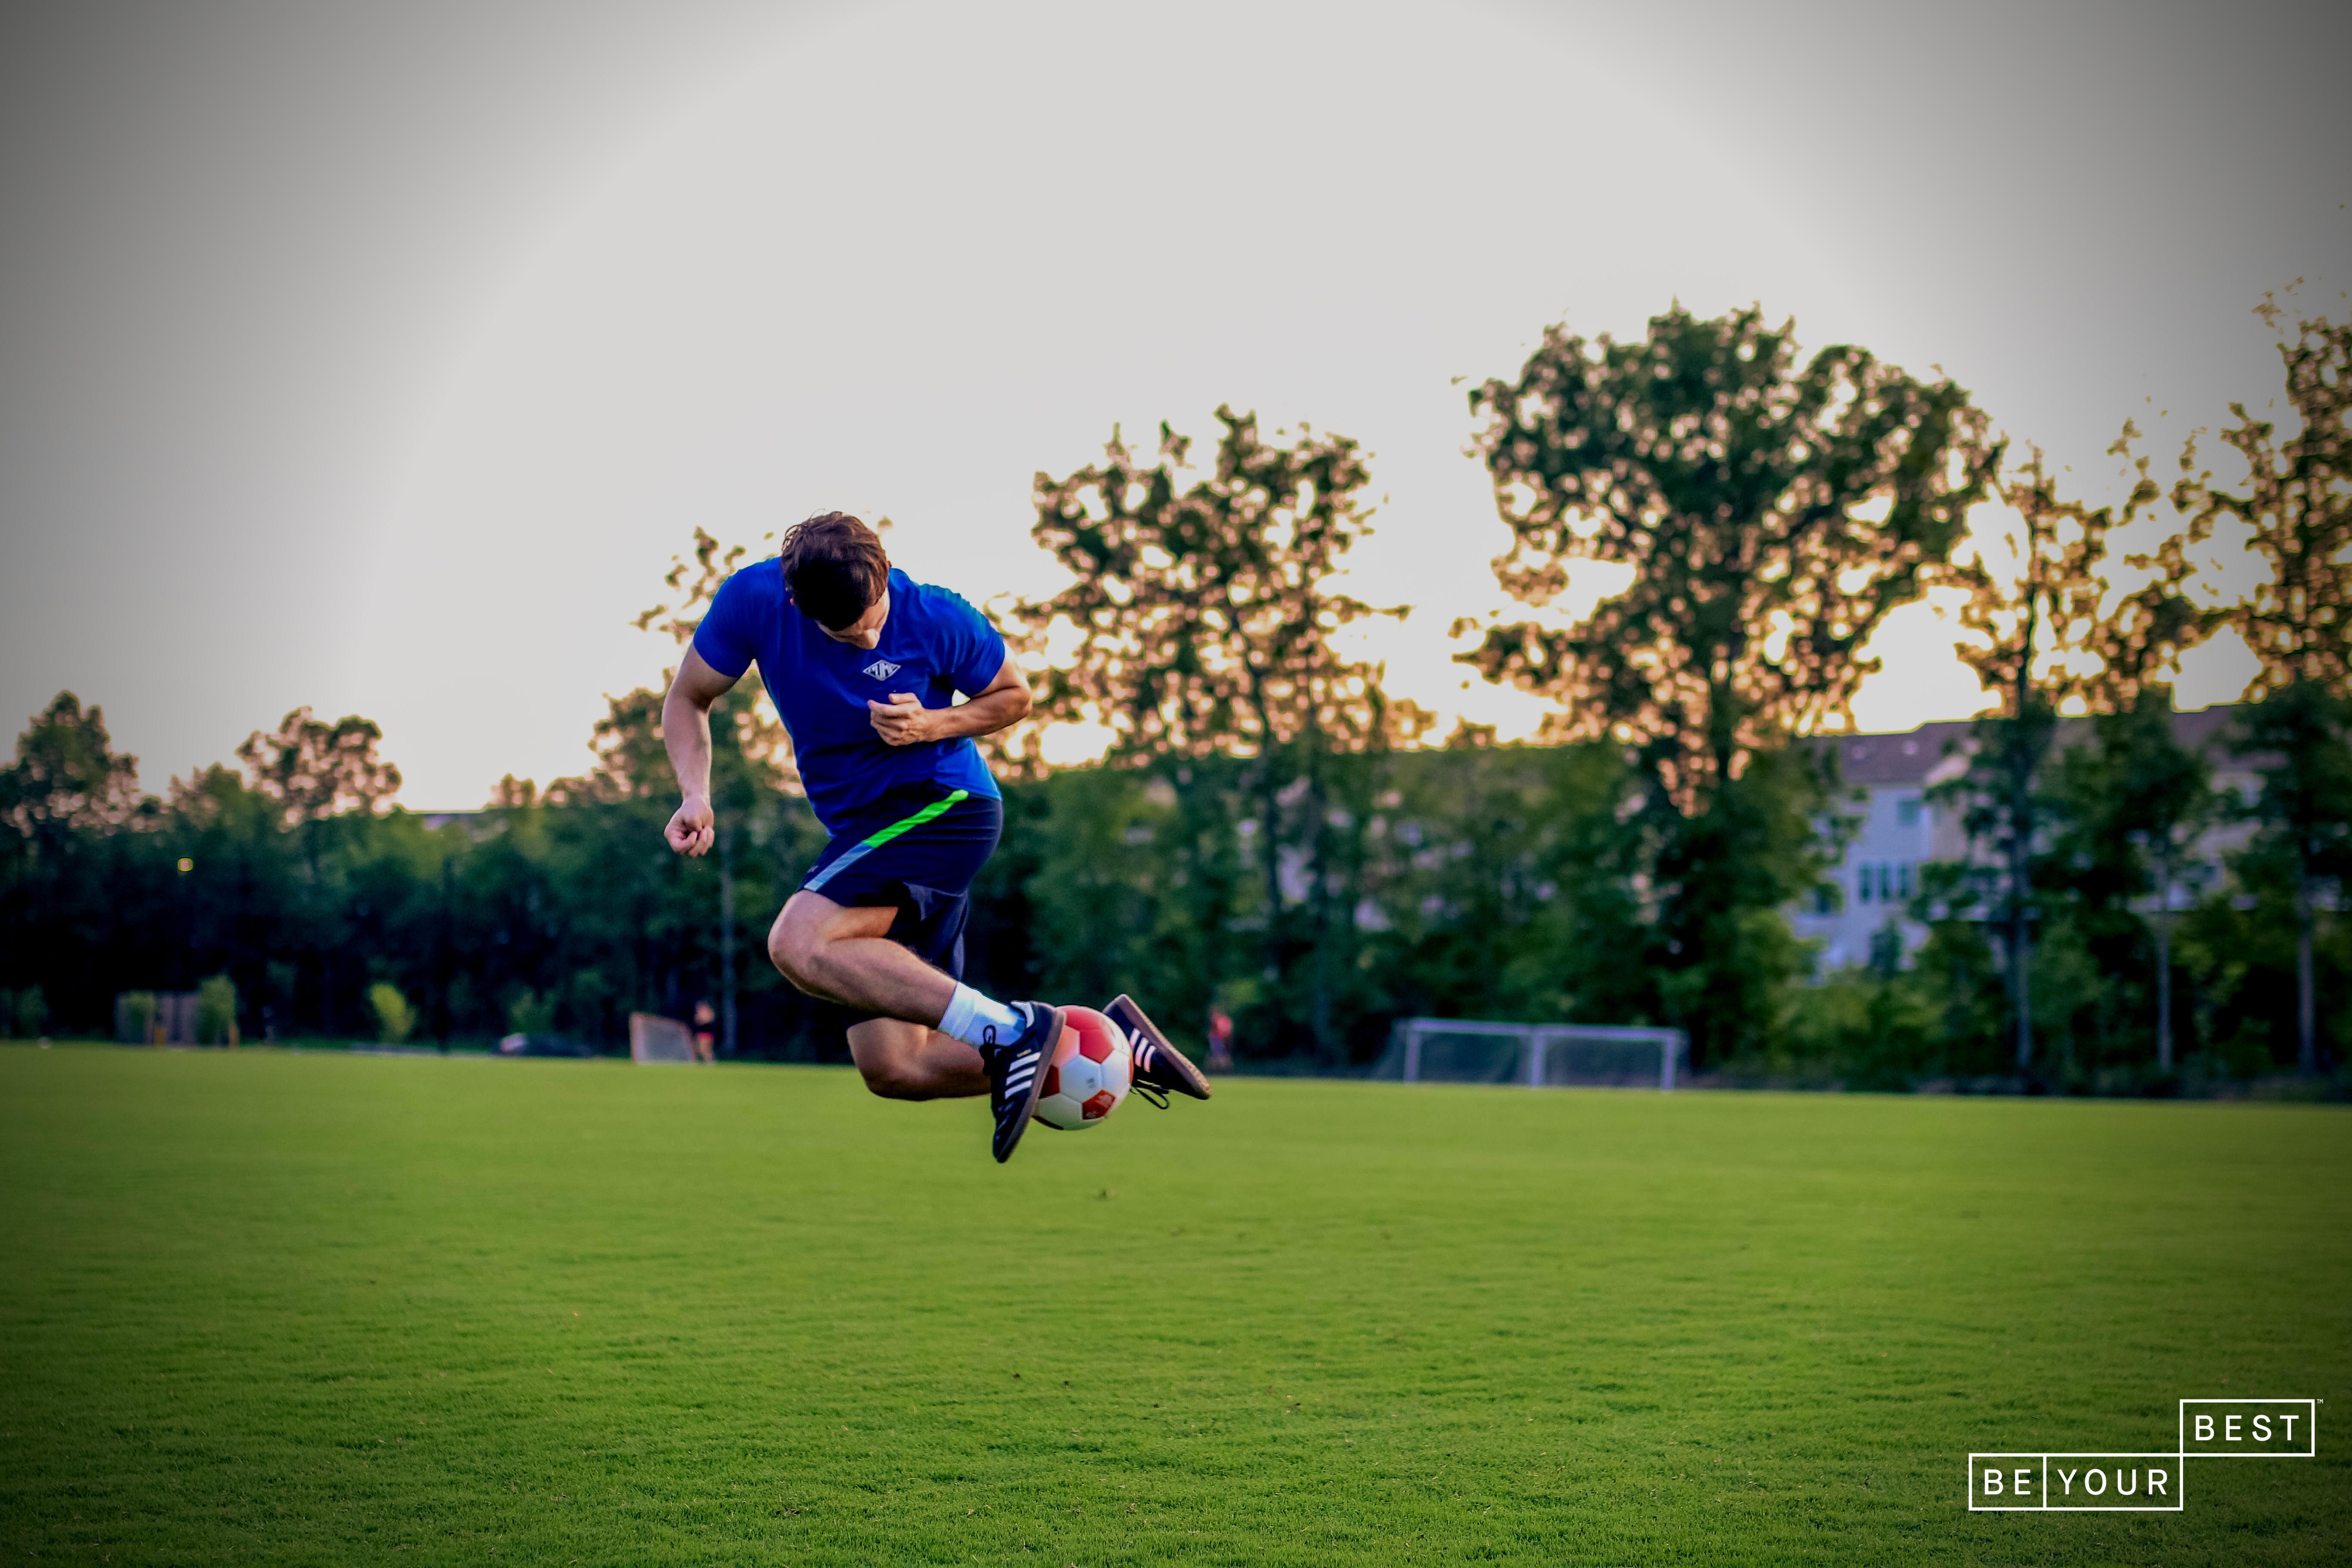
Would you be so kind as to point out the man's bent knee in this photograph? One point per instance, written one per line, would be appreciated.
(791, 948)
(891, 1081)
(810, 924)
(889, 1057)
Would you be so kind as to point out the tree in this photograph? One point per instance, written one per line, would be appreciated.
(1773, 513)
(2027, 622)
(2133, 803)
(67, 786)
(1773, 516)
(395, 1020)
(2140, 797)
(67, 774)
(1500, 874)
(313, 773)
(2296, 509)
(750, 753)
(315, 769)
(631, 761)
(749, 772)
(2298, 736)
(1203, 621)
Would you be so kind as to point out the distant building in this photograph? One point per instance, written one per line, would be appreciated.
(1871, 887)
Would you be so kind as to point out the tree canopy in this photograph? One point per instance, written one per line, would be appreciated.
(1203, 611)
(2296, 509)
(1774, 513)
(67, 774)
(315, 769)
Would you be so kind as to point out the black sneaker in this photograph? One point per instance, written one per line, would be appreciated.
(1161, 1069)
(1016, 1072)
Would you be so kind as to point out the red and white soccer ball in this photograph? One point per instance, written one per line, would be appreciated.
(1089, 1073)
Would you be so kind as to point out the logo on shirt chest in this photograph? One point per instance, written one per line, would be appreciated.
(880, 669)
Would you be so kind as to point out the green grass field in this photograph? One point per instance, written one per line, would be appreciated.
(263, 1308)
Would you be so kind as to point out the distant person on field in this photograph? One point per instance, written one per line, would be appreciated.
(865, 664)
(1220, 1041)
(704, 1016)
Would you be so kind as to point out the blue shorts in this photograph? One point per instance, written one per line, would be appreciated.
(916, 852)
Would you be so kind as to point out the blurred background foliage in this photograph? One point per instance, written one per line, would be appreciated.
(1269, 835)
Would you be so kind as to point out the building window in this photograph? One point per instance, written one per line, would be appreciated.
(1902, 878)
(1862, 886)
(1908, 811)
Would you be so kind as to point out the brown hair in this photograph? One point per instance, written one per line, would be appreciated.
(835, 568)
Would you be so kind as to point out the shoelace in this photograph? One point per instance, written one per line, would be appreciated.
(1152, 1093)
(998, 1067)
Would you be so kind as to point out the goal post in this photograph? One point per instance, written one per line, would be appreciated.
(1537, 1055)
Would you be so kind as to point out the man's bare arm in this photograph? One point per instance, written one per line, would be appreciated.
(904, 720)
(686, 731)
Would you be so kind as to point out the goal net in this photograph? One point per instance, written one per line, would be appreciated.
(1539, 1055)
(653, 1038)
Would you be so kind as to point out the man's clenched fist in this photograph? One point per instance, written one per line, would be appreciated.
(692, 826)
(902, 720)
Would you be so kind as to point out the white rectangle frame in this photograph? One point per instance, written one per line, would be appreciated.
(2180, 1474)
(2311, 1425)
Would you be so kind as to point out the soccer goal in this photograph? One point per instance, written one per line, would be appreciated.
(1539, 1055)
(654, 1039)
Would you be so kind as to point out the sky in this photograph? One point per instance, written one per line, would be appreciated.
(380, 359)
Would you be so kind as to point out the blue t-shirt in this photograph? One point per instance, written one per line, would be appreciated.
(934, 645)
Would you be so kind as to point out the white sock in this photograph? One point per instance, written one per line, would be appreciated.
(968, 1013)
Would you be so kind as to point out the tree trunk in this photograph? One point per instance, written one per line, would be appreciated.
(2022, 756)
(2020, 940)
(2306, 1032)
(2019, 981)
(310, 831)
(726, 937)
(444, 947)
(1269, 821)
(1319, 1012)
(2165, 981)
(2164, 964)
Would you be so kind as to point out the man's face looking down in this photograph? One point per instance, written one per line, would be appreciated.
(865, 631)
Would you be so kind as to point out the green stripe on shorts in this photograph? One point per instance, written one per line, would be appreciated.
(880, 836)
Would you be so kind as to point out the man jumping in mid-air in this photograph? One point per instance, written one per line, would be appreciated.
(863, 665)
